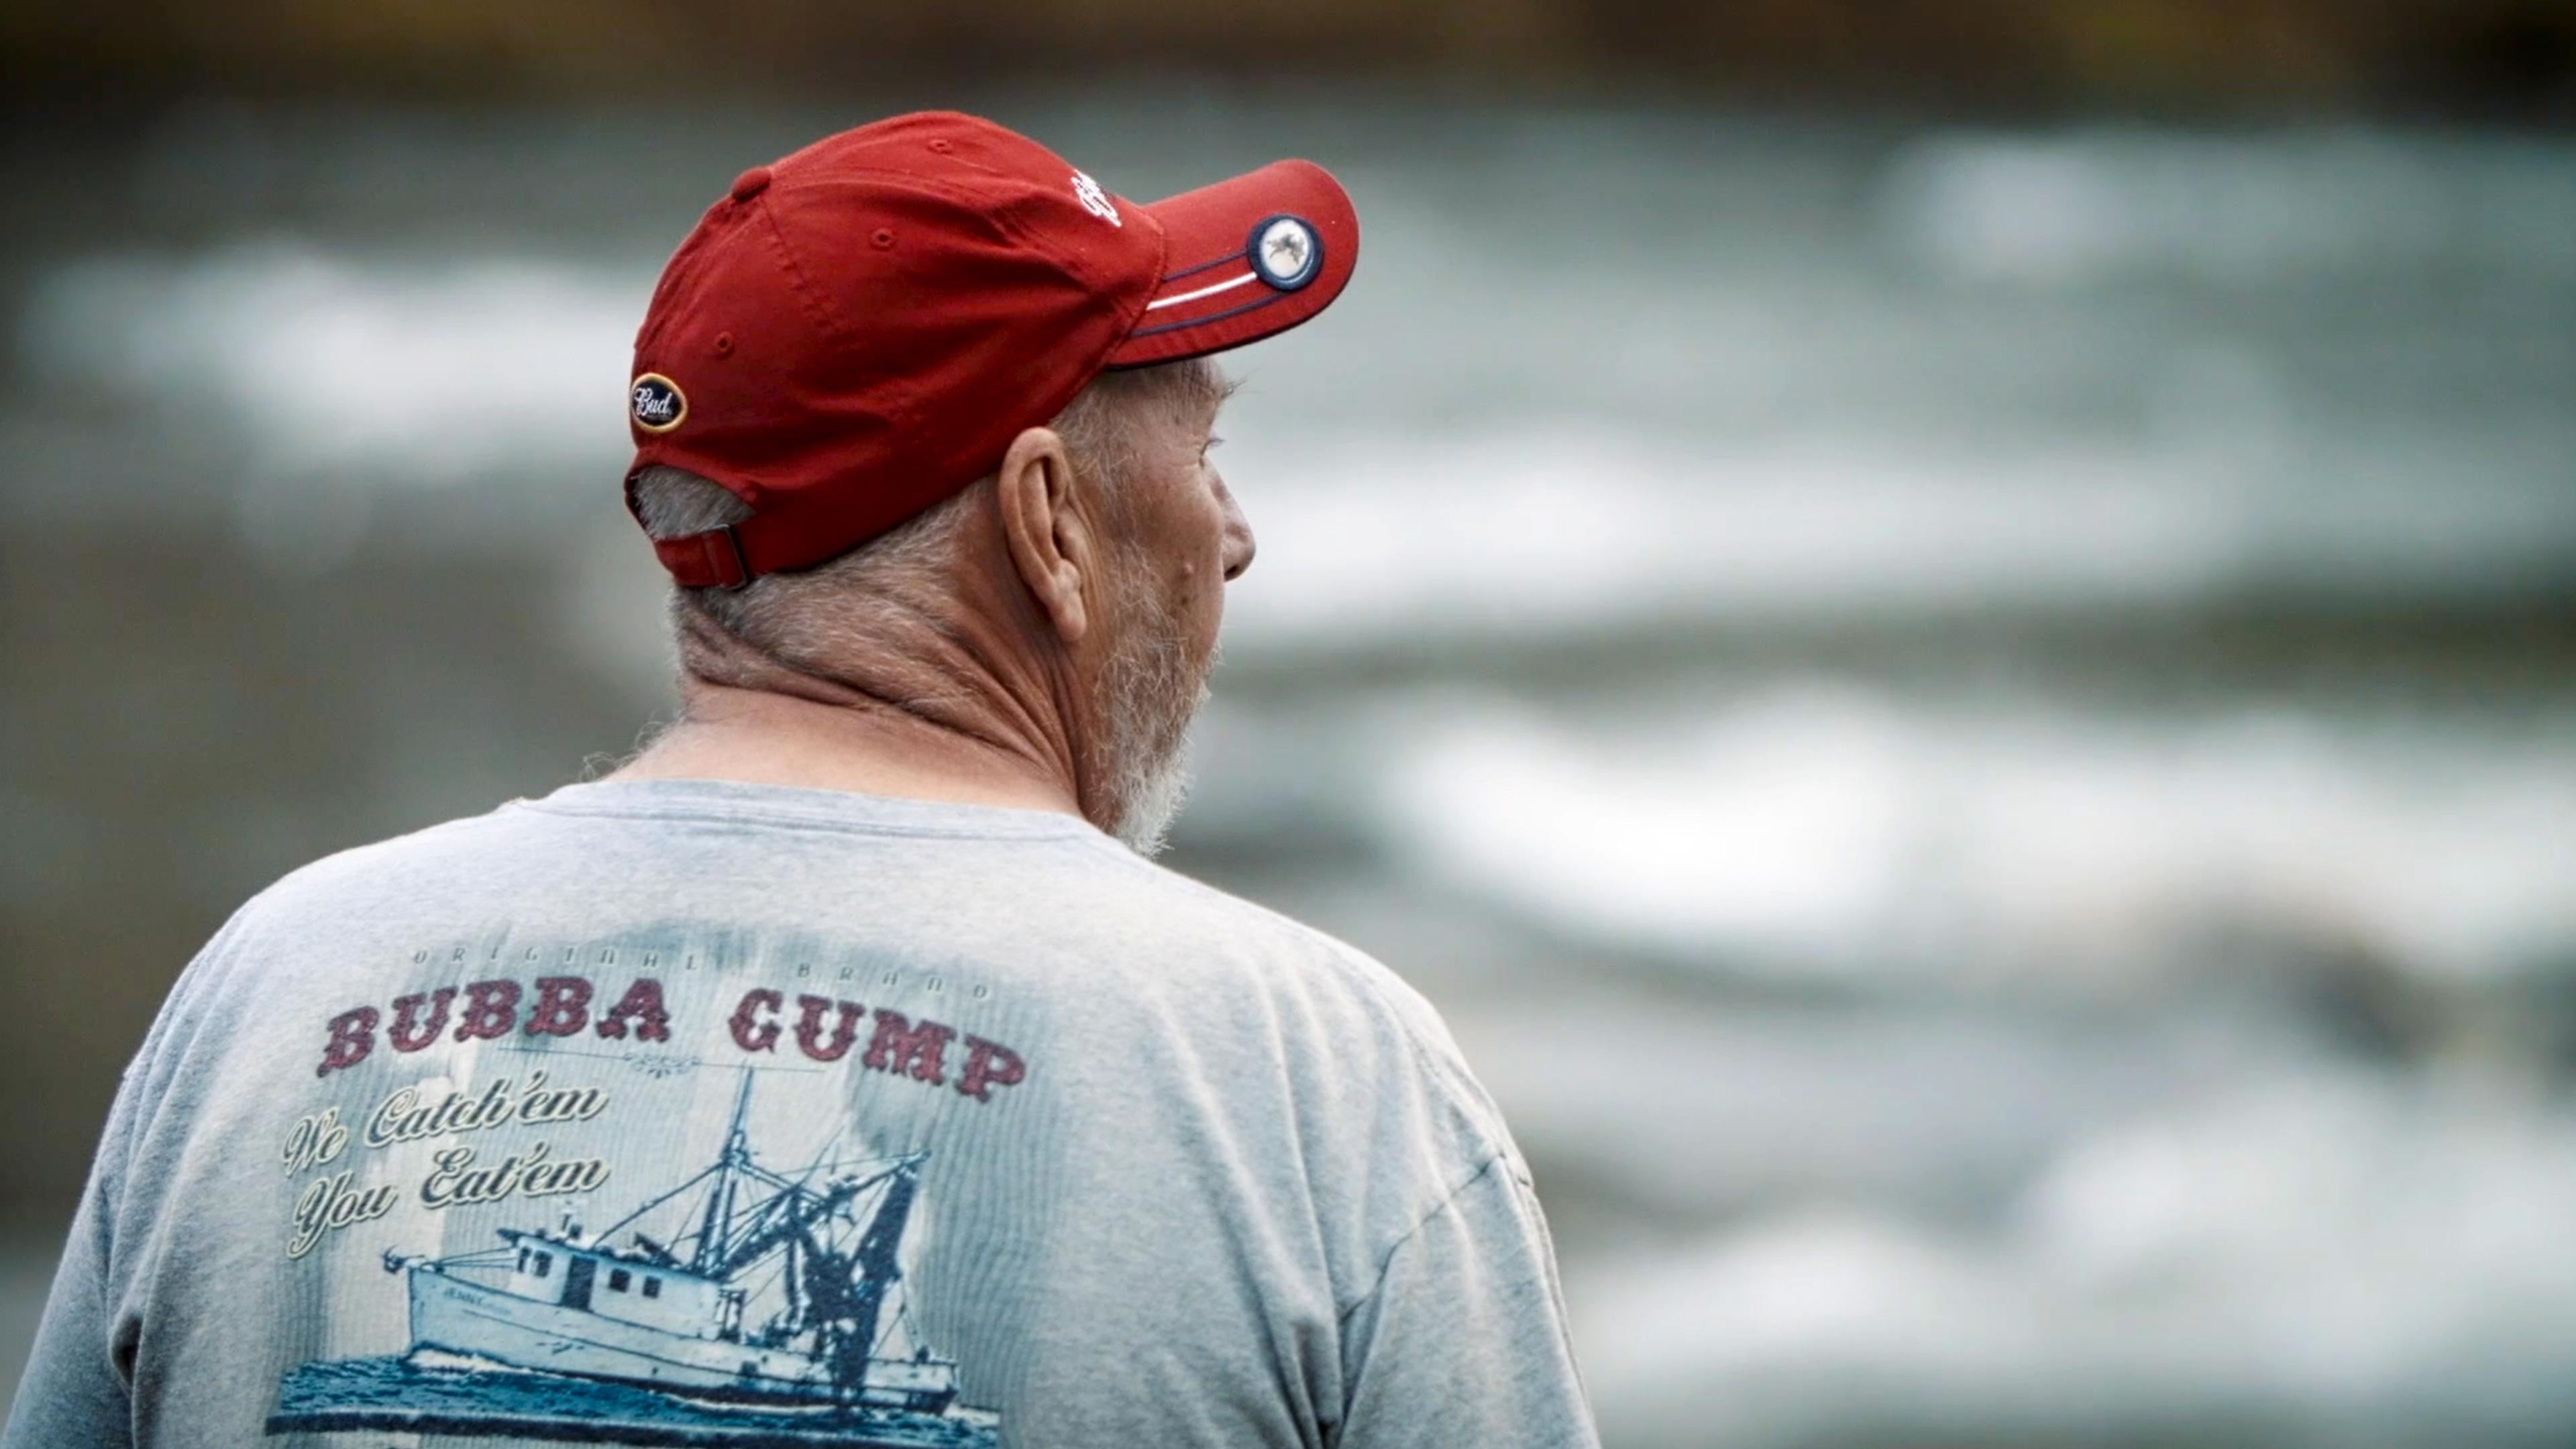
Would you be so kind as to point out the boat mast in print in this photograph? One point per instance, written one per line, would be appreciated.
(774, 1297)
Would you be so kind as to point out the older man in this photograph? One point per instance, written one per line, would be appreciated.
(827, 1075)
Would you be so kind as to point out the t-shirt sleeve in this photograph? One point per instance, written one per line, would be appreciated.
(1464, 1339)
(77, 1391)
(71, 1396)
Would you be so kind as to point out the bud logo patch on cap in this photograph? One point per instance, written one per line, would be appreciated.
(1285, 252)
(657, 403)
(1093, 199)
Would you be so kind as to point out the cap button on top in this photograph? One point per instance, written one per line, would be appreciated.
(751, 183)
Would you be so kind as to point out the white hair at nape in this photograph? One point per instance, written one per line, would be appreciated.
(784, 614)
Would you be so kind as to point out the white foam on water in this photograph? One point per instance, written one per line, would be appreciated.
(413, 370)
(1700, 1113)
(2324, 1253)
(1549, 525)
(1829, 830)
(2092, 205)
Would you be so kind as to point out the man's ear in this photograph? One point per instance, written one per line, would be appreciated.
(1052, 545)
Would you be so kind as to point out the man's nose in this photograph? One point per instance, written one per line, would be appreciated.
(1238, 534)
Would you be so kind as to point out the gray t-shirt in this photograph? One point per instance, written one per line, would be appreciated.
(693, 1113)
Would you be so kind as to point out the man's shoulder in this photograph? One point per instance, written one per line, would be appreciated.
(1266, 953)
(1234, 929)
(330, 883)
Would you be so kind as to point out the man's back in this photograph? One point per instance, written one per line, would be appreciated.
(760, 1115)
(824, 1077)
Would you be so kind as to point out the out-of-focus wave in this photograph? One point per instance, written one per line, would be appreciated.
(1841, 832)
(385, 370)
(2229, 210)
(2321, 1261)
(1518, 530)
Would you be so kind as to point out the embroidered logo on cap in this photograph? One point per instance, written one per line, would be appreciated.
(1093, 199)
(657, 403)
(1285, 252)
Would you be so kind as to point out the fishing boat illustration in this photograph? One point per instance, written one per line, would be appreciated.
(771, 1314)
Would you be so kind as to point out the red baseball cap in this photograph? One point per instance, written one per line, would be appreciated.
(858, 330)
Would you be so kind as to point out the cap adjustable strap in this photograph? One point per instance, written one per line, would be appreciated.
(713, 559)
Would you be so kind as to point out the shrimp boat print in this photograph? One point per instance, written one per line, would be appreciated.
(777, 1292)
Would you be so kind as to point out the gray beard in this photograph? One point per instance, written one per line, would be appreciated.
(1148, 696)
(1153, 791)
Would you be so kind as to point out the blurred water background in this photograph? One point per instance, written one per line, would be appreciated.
(1972, 716)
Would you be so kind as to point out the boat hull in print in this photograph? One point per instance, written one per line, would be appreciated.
(416, 1394)
(463, 1317)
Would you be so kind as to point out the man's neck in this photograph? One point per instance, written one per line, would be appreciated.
(758, 738)
(944, 731)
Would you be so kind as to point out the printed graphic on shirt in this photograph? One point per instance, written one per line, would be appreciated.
(743, 1298)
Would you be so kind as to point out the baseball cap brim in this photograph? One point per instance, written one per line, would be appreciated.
(1243, 260)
